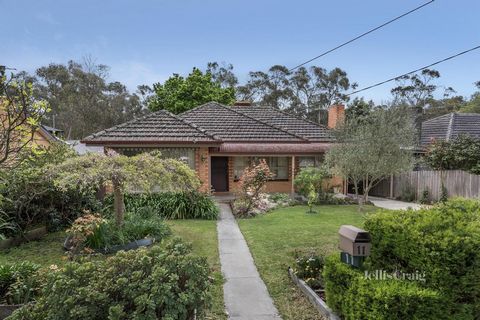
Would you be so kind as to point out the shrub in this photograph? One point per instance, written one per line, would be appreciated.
(159, 283)
(443, 193)
(442, 241)
(28, 198)
(390, 300)
(171, 205)
(18, 283)
(93, 232)
(408, 193)
(425, 197)
(355, 297)
(252, 184)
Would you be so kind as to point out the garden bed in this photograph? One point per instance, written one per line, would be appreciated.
(317, 301)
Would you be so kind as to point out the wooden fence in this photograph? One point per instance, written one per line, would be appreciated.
(457, 183)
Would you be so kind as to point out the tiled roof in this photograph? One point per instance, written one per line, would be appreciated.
(160, 126)
(229, 124)
(290, 123)
(214, 123)
(450, 126)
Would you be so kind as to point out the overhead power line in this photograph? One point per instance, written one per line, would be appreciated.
(362, 35)
(416, 70)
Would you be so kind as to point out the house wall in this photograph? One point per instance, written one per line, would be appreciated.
(202, 167)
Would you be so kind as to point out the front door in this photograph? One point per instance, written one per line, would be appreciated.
(220, 174)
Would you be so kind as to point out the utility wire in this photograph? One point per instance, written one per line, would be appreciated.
(362, 35)
(416, 70)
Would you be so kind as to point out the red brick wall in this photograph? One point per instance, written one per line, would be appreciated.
(202, 167)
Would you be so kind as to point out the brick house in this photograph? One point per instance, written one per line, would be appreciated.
(219, 141)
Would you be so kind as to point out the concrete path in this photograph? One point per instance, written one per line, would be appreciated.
(393, 204)
(246, 296)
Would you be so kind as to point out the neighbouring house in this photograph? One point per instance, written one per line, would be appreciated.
(44, 136)
(220, 141)
(449, 126)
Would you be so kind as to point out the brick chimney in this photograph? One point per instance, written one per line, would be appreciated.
(242, 103)
(336, 115)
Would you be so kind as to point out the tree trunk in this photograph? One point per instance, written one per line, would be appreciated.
(118, 204)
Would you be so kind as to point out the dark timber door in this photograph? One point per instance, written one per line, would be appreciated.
(220, 174)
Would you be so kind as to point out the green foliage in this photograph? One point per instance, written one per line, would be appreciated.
(18, 282)
(82, 99)
(425, 197)
(461, 153)
(373, 148)
(171, 205)
(309, 268)
(30, 198)
(443, 193)
(145, 171)
(392, 299)
(311, 178)
(408, 193)
(158, 283)
(355, 297)
(179, 94)
(20, 116)
(92, 232)
(442, 241)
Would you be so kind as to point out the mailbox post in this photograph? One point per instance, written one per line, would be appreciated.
(355, 245)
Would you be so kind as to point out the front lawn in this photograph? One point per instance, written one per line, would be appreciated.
(201, 233)
(275, 238)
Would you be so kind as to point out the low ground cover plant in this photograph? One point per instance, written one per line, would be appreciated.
(309, 268)
(171, 205)
(19, 283)
(159, 283)
(92, 232)
(440, 243)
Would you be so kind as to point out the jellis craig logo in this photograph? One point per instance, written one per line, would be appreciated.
(398, 275)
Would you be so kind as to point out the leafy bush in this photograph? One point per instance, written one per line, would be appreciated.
(443, 193)
(159, 283)
(355, 297)
(171, 205)
(309, 268)
(425, 197)
(252, 185)
(408, 193)
(93, 232)
(264, 203)
(460, 153)
(29, 198)
(442, 241)
(18, 283)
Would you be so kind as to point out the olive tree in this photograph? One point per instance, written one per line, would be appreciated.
(147, 172)
(372, 148)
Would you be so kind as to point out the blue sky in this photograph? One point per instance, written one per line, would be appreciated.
(146, 41)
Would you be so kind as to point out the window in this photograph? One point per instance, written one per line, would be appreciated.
(239, 164)
(277, 165)
(312, 161)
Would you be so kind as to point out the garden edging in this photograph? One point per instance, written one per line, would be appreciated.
(317, 302)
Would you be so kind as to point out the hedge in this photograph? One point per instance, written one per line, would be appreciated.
(443, 242)
(354, 297)
(159, 283)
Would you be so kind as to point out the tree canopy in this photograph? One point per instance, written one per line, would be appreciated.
(146, 172)
(20, 116)
(178, 94)
(374, 148)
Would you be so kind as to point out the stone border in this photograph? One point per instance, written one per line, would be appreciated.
(145, 242)
(6, 310)
(317, 302)
(34, 234)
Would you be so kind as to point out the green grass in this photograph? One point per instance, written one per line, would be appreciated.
(44, 252)
(276, 237)
(201, 233)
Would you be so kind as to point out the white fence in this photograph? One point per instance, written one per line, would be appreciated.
(458, 184)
